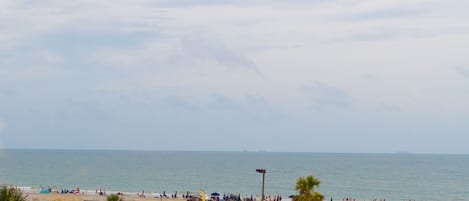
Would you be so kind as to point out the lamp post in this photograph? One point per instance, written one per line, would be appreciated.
(263, 178)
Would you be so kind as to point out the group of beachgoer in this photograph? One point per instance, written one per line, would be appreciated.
(349, 199)
(188, 195)
(231, 197)
(237, 197)
(274, 198)
(249, 199)
(353, 199)
(67, 191)
(102, 191)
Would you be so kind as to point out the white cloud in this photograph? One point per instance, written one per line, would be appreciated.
(240, 34)
(197, 51)
(49, 57)
(40, 64)
(237, 25)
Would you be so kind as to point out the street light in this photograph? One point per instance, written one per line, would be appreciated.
(263, 177)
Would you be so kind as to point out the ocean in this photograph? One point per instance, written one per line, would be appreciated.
(361, 176)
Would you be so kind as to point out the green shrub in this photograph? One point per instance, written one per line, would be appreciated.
(306, 189)
(113, 197)
(11, 194)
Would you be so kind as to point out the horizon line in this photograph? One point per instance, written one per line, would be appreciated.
(231, 151)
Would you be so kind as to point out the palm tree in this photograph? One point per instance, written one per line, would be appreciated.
(11, 194)
(114, 197)
(305, 188)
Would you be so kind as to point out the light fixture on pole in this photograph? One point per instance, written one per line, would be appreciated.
(263, 179)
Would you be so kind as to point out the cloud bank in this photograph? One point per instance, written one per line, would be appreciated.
(238, 75)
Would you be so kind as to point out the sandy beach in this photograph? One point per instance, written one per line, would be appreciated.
(73, 197)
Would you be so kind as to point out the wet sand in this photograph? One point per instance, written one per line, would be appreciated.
(73, 197)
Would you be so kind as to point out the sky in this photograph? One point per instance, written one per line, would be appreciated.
(252, 75)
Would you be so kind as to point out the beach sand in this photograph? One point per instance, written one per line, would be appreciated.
(73, 197)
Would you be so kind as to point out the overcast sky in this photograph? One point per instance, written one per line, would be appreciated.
(301, 75)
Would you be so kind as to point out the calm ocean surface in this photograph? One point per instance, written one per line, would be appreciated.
(362, 176)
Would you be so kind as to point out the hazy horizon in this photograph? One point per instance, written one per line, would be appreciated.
(234, 151)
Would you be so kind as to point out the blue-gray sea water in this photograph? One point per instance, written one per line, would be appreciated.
(361, 176)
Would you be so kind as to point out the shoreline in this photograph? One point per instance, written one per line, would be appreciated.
(55, 190)
(56, 194)
(36, 194)
(85, 197)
